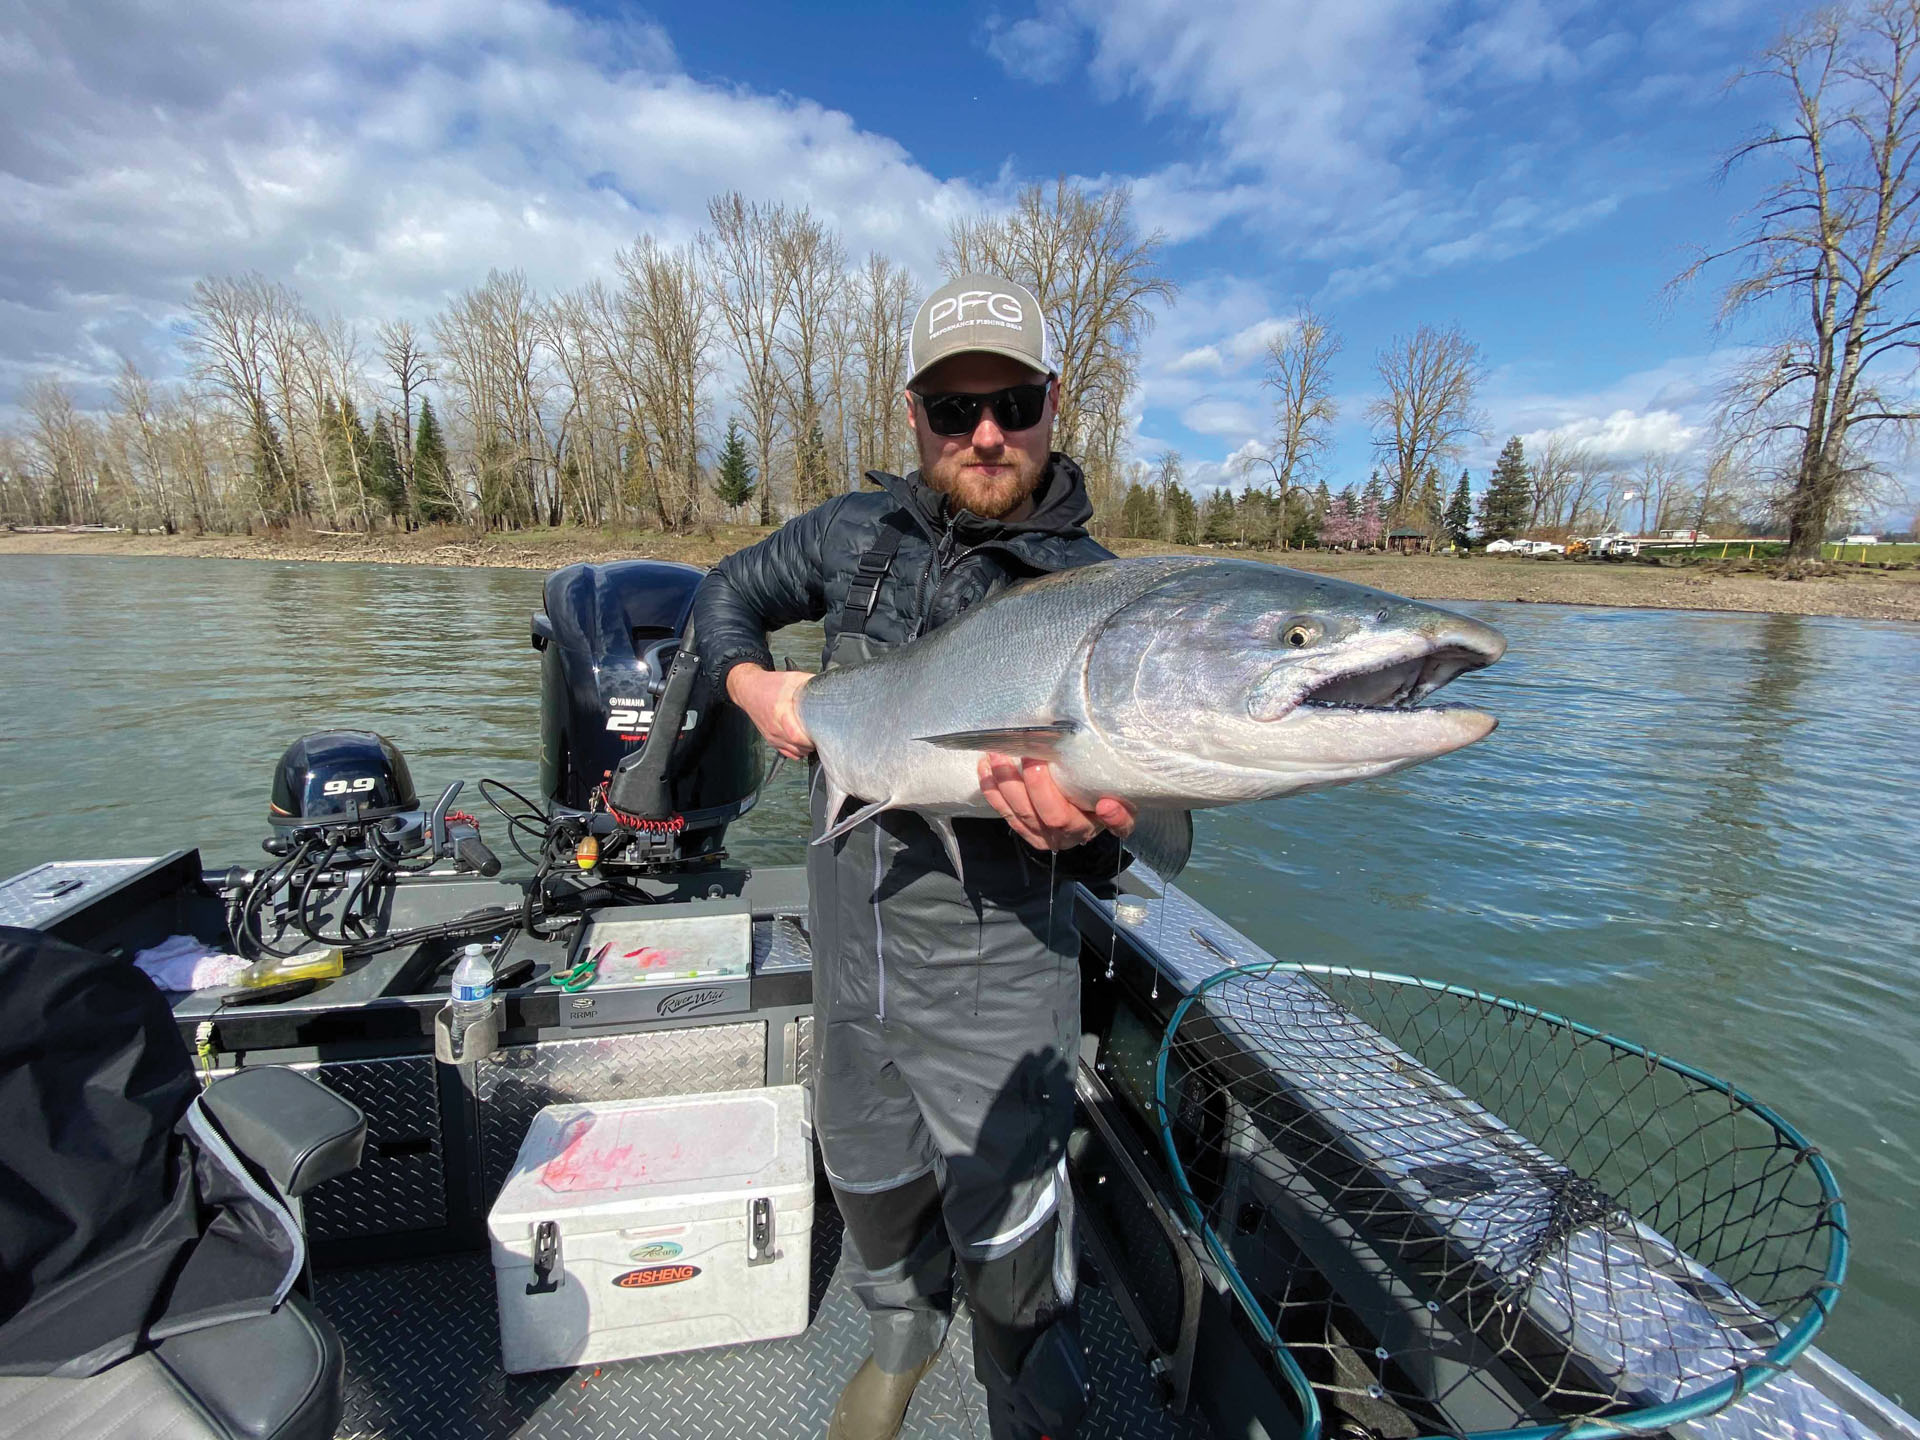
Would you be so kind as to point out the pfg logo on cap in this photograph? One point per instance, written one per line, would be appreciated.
(953, 311)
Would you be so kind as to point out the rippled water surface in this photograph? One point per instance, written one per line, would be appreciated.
(1697, 830)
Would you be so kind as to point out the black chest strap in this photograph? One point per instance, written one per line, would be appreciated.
(863, 591)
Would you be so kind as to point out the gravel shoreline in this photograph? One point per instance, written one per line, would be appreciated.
(1857, 593)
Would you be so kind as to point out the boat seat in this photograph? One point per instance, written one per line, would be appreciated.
(277, 1375)
(274, 1377)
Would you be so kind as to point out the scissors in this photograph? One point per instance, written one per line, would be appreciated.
(580, 976)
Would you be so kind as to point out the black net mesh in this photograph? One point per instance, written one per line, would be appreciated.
(1461, 1215)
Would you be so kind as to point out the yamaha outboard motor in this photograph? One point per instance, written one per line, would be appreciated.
(332, 776)
(626, 724)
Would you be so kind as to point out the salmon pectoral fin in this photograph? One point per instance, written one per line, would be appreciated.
(1162, 838)
(1038, 741)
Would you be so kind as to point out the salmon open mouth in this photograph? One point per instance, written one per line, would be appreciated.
(1396, 684)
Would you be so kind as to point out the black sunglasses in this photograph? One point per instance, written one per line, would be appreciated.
(1018, 407)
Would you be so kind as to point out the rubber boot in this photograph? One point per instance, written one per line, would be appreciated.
(874, 1404)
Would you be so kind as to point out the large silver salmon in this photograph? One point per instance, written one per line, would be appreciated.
(1173, 682)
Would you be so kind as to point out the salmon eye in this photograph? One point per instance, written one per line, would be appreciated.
(1299, 634)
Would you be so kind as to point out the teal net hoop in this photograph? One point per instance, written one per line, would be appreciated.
(1453, 1214)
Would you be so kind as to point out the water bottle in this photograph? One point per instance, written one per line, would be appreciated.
(472, 988)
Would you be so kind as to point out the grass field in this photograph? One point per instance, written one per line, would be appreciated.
(1774, 549)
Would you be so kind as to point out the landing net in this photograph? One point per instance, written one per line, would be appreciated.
(1460, 1215)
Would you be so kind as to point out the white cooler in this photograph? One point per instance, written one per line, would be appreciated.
(643, 1227)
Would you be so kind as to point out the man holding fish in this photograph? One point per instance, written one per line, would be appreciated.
(946, 1015)
(977, 744)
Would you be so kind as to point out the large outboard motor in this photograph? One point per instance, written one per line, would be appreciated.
(608, 637)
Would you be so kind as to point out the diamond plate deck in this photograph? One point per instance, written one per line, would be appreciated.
(26, 901)
(780, 947)
(400, 1183)
(521, 1080)
(423, 1363)
(803, 1050)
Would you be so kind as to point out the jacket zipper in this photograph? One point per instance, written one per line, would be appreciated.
(930, 578)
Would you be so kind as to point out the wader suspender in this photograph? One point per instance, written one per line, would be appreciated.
(863, 591)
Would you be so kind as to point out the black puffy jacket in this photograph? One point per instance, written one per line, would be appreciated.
(947, 561)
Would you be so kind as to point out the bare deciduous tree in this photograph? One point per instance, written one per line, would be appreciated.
(232, 320)
(883, 302)
(1097, 279)
(750, 286)
(411, 368)
(1427, 413)
(669, 307)
(1299, 372)
(813, 266)
(1824, 253)
(1659, 486)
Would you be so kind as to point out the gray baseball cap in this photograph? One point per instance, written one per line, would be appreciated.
(979, 312)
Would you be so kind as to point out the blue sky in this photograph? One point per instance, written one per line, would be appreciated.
(1532, 171)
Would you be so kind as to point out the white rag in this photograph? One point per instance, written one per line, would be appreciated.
(183, 963)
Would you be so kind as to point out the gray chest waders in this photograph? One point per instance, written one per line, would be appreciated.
(943, 1112)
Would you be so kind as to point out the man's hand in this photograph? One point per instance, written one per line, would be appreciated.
(1024, 793)
(771, 699)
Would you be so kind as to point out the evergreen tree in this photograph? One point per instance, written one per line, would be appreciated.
(1508, 503)
(734, 484)
(433, 497)
(1259, 517)
(384, 481)
(1219, 525)
(1374, 493)
(275, 492)
(1428, 504)
(1140, 514)
(1459, 516)
(1183, 516)
(345, 439)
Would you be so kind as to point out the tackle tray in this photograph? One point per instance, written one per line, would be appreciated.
(661, 967)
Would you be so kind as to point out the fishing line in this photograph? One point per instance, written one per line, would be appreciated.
(1113, 907)
(1160, 931)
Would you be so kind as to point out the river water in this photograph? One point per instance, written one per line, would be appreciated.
(1696, 830)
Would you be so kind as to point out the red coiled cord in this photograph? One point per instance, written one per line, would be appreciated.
(672, 825)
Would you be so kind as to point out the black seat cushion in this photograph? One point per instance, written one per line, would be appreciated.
(290, 1125)
(274, 1377)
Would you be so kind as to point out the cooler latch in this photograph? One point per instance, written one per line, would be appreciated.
(546, 1259)
(760, 1232)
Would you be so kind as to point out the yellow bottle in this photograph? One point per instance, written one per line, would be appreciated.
(311, 965)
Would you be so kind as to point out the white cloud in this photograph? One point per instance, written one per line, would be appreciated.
(1666, 410)
(1624, 433)
(1360, 135)
(1220, 416)
(1234, 353)
(378, 157)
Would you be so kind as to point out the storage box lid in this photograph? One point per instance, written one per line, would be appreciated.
(639, 946)
(648, 1156)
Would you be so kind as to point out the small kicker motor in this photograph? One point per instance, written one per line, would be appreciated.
(346, 822)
